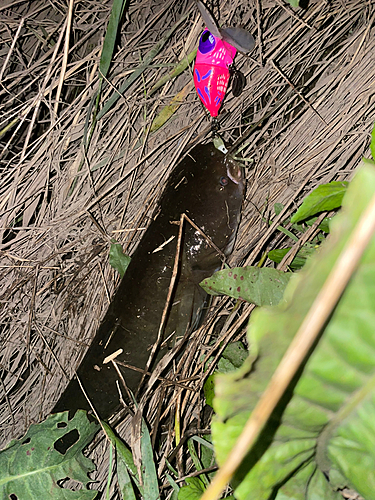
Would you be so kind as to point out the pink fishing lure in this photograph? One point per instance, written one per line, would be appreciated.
(211, 70)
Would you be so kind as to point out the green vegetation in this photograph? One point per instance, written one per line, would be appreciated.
(118, 259)
(324, 423)
(32, 466)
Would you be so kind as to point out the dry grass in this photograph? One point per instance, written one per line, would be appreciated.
(312, 74)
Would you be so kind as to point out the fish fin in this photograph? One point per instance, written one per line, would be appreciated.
(209, 19)
(239, 38)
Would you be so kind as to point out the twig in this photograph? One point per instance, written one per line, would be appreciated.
(291, 13)
(65, 57)
(11, 48)
(297, 92)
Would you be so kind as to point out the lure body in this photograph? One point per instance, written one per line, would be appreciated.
(211, 70)
(215, 54)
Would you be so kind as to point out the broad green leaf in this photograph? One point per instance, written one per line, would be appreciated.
(232, 357)
(234, 354)
(324, 198)
(124, 481)
(326, 421)
(295, 488)
(117, 259)
(126, 470)
(193, 489)
(299, 260)
(294, 3)
(351, 446)
(259, 285)
(31, 467)
(323, 226)
(209, 390)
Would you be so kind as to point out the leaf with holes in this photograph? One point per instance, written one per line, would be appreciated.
(33, 466)
(324, 426)
(261, 286)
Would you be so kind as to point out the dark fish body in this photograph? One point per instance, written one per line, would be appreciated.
(208, 187)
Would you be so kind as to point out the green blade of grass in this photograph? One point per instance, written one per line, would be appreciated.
(179, 68)
(126, 470)
(118, 7)
(149, 476)
(168, 111)
(140, 69)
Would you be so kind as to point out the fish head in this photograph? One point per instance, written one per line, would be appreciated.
(210, 191)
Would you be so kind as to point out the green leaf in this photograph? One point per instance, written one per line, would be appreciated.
(326, 420)
(261, 286)
(294, 3)
(294, 489)
(323, 226)
(126, 470)
(278, 207)
(209, 390)
(207, 451)
(31, 467)
(234, 354)
(299, 260)
(117, 259)
(179, 68)
(324, 198)
(193, 490)
(231, 358)
(110, 36)
(149, 476)
(196, 461)
(168, 111)
(140, 69)
(174, 485)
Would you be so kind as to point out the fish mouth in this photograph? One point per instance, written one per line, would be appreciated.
(234, 171)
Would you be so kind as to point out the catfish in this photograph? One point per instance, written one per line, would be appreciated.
(207, 187)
